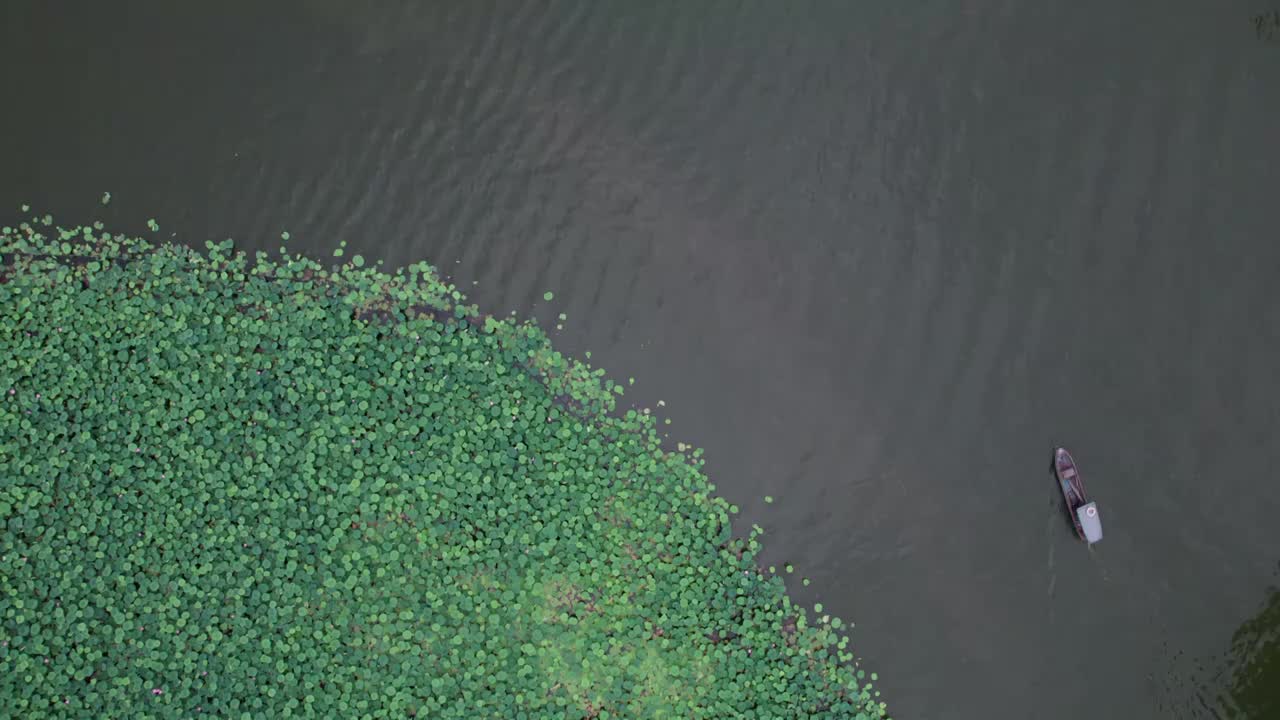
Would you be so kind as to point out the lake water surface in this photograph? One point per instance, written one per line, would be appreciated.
(878, 259)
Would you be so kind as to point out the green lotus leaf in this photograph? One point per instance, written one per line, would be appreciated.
(263, 488)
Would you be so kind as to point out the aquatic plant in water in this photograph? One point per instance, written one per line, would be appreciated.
(1254, 687)
(267, 488)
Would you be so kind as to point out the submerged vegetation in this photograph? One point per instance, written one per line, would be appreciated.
(1254, 687)
(265, 488)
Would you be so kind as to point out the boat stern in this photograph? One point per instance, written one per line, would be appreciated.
(1090, 522)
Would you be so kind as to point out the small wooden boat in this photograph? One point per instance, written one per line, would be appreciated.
(1084, 514)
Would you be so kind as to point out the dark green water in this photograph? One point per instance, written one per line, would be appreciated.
(877, 260)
